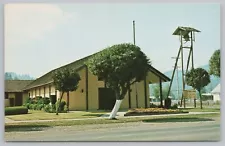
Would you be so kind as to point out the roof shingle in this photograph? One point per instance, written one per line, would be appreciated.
(47, 78)
(16, 85)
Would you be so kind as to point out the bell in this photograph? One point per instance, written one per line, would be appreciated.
(186, 37)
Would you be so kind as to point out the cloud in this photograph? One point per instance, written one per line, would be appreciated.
(29, 22)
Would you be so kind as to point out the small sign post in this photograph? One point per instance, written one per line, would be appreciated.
(190, 94)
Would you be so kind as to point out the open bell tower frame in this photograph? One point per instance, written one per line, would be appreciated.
(187, 39)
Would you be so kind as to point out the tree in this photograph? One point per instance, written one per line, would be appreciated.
(214, 64)
(156, 92)
(15, 78)
(198, 78)
(119, 66)
(8, 76)
(65, 80)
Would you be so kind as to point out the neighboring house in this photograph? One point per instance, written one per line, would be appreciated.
(207, 96)
(92, 93)
(153, 99)
(216, 93)
(14, 95)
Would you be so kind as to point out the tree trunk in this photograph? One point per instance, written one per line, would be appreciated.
(195, 103)
(68, 101)
(57, 110)
(116, 106)
(115, 109)
(200, 95)
(181, 102)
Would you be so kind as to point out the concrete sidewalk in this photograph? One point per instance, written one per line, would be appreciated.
(105, 116)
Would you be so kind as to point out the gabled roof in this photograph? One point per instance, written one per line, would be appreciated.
(47, 78)
(216, 89)
(182, 30)
(16, 85)
(159, 74)
(77, 65)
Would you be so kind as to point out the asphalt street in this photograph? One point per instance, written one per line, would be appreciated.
(176, 131)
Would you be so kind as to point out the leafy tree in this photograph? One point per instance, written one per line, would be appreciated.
(16, 78)
(119, 66)
(214, 64)
(65, 80)
(198, 78)
(156, 92)
(203, 90)
(8, 76)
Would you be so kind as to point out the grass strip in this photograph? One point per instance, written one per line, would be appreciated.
(199, 117)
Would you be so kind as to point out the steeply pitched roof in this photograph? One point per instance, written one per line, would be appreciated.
(16, 85)
(181, 30)
(159, 74)
(216, 89)
(47, 78)
(78, 64)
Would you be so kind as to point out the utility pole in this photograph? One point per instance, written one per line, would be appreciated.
(134, 31)
(178, 94)
(135, 82)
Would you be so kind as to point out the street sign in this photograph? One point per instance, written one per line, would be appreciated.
(189, 94)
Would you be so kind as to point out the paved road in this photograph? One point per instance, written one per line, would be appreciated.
(182, 131)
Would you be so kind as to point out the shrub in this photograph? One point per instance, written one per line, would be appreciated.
(33, 101)
(46, 100)
(35, 106)
(53, 99)
(53, 108)
(65, 109)
(40, 101)
(26, 105)
(16, 110)
(61, 106)
(36, 103)
(47, 108)
(38, 97)
(153, 105)
(50, 108)
(31, 106)
(175, 106)
(39, 107)
(28, 100)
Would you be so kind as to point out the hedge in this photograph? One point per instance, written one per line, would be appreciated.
(15, 110)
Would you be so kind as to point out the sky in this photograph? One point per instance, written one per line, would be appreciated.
(42, 37)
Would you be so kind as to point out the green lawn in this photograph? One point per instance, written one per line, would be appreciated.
(201, 110)
(41, 115)
(177, 118)
(204, 105)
